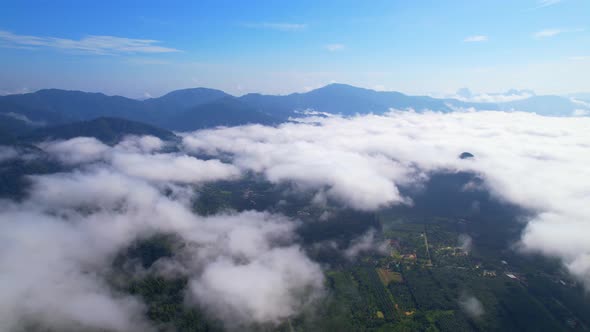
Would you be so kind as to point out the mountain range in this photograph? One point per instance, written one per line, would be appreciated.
(198, 108)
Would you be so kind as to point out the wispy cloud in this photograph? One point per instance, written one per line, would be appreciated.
(547, 33)
(579, 57)
(547, 3)
(17, 91)
(104, 45)
(334, 47)
(147, 61)
(280, 26)
(476, 39)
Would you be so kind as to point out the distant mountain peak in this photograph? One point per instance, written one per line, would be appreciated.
(180, 100)
(193, 91)
(466, 155)
(342, 87)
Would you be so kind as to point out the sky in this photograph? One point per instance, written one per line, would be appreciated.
(141, 49)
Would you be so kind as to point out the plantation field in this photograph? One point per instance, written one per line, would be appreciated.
(387, 276)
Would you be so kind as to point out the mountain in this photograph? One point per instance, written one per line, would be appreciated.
(342, 99)
(547, 105)
(181, 100)
(227, 111)
(107, 130)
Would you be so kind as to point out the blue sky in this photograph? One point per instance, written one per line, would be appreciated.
(143, 48)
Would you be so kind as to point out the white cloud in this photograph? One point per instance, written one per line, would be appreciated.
(584, 104)
(173, 168)
(7, 153)
(465, 94)
(105, 45)
(76, 150)
(306, 162)
(271, 287)
(141, 144)
(471, 306)
(16, 91)
(59, 243)
(334, 47)
(135, 156)
(548, 33)
(23, 118)
(465, 242)
(365, 243)
(475, 39)
(280, 26)
(547, 3)
(78, 221)
(581, 112)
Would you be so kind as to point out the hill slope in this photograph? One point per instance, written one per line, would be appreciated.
(181, 100)
(107, 130)
(71, 106)
(226, 111)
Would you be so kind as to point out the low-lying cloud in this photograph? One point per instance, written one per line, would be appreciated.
(471, 306)
(467, 95)
(137, 156)
(465, 242)
(58, 244)
(7, 153)
(539, 163)
(365, 243)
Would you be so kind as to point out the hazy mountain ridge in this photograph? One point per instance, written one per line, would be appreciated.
(343, 99)
(77, 105)
(179, 100)
(197, 108)
(546, 105)
(225, 111)
(106, 129)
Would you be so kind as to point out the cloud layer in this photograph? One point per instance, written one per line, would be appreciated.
(539, 163)
(465, 94)
(134, 156)
(58, 244)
